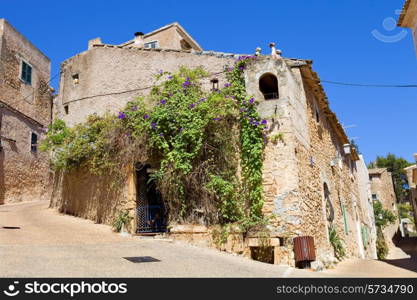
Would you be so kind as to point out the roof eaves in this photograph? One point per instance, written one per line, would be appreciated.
(313, 80)
(403, 13)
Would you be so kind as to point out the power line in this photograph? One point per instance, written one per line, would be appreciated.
(30, 95)
(128, 91)
(367, 85)
(325, 81)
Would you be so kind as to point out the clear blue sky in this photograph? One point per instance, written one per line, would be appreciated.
(336, 35)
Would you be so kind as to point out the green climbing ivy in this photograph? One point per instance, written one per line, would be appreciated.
(194, 138)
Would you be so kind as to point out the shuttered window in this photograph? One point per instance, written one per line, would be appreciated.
(365, 236)
(26, 73)
(33, 142)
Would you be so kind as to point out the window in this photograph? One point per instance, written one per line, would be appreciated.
(33, 142)
(374, 197)
(152, 45)
(76, 79)
(185, 45)
(66, 108)
(215, 84)
(268, 85)
(26, 75)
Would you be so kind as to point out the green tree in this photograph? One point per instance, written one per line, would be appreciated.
(405, 211)
(396, 166)
(355, 145)
(383, 217)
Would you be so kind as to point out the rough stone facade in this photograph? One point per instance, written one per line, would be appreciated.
(411, 172)
(382, 189)
(25, 110)
(109, 77)
(310, 174)
(365, 197)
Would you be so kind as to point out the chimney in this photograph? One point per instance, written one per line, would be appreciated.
(415, 156)
(139, 39)
(96, 41)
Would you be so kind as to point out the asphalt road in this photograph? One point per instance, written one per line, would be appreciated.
(36, 241)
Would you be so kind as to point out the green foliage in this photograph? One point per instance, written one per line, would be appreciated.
(220, 234)
(230, 208)
(251, 139)
(381, 245)
(122, 218)
(405, 211)
(277, 137)
(88, 143)
(355, 145)
(383, 217)
(195, 139)
(396, 166)
(57, 134)
(336, 242)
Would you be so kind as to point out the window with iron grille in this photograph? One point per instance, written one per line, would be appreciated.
(33, 142)
(26, 75)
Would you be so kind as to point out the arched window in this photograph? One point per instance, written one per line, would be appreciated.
(268, 85)
(329, 205)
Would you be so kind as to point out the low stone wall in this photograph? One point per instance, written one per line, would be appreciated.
(83, 194)
(236, 242)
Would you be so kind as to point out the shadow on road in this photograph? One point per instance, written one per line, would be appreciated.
(409, 246)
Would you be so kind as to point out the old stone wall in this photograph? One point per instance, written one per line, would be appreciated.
(382, 187)
(106, 73)
(308, 154)
(34, 100)
(411, 172)
(365, 197)
(24, 109)
(80, 193)
(324, 162)
(24, 174)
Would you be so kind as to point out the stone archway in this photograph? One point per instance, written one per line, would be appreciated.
(268, 85)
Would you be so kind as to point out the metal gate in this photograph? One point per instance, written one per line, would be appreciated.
(150, 213)
(150, 218)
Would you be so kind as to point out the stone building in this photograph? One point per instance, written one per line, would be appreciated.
(310, 173)
(368, 229)
(382, 189)
(25, 111)
(411, 172)
(408, 18)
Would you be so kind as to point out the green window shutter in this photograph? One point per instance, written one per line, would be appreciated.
(29, 74)
(365, 235)
(345, 219)
(23, 71)
(26, 73)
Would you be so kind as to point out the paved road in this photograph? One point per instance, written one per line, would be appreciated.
(49, 244)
